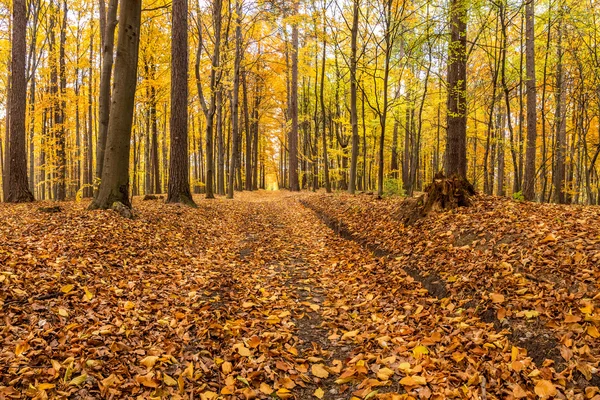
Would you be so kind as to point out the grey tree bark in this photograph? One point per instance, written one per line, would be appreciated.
(179, 168)
(529, 179)
(18, 188)
(108, 42)
(114, 186)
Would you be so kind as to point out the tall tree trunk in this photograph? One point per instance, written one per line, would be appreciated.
(61, 189)
(179, 168)
(353, 97)
(323, 114)
(87, 137)
(114, 186)
(235, 125)
(529, 180)
(293, 140)
(456, 143)
(248, 166)
(108, 42)
(561, 122)
(18, 189)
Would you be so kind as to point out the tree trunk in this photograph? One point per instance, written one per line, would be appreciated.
(529, 180)
(105, 74)
(179, 169)
(114, 186)
(18, 189)
(456, 146)
(233, 164)
(353, 98)
(293, 140)
(60, 112)
(560, 124)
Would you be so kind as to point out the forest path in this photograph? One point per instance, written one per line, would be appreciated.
(373, 328)
(250, 298)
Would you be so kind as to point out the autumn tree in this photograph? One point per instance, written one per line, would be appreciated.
(114, 186)
(456, 142)
(18, 188)
(179, 172)
(529, 177)
(107, 33)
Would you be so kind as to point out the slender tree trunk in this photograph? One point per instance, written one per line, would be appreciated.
(114, 186)
(293, 140)
(108, 37)
(87, 137)
(233, 164)
(18, 189)
(456, 146)
(179, 166)
(323, 114)
(353, 97)
(248, 166)
(561, 123)
(61, 189)
(529, 180)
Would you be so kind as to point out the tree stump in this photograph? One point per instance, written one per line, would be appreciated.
(441, 195)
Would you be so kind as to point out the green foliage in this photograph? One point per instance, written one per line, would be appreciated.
(518, 196)
(393, 187)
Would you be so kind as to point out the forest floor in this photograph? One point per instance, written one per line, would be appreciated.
(279, 295)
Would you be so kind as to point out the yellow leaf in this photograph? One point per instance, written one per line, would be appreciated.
(266, 388)
(531, 314)
(420, 351)
(404, 367)
(593, 331)
(188, 372)
(273, 319)
(319, 371)
(242, 350)
(248, 304)
(284, 393)
(549, 238)
(497, 298)
(226, 367)
(384, 374)
(62, 312)
(587, 309)
(319, 393)
(350, 334)
(208, 395)
(78, 380)
(88, 295)
(129, 305)
(149, 361)
(67, 288)
(413, 381)
(545, 388)
(46, 386)
(21, 348)
(169, 381)
(147, 380)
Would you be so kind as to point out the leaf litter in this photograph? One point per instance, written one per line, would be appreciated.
(258, 298)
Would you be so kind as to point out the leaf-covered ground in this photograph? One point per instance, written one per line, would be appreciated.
(260, 298)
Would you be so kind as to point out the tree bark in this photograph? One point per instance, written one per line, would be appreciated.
(179, 169)
(293, 140)
(114, 186)
(529, 180)
(353, 98)
(456, 144)
(105, 74)
(235, 125)
(18, 189)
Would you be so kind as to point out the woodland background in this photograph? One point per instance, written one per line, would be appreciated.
(400, 68)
